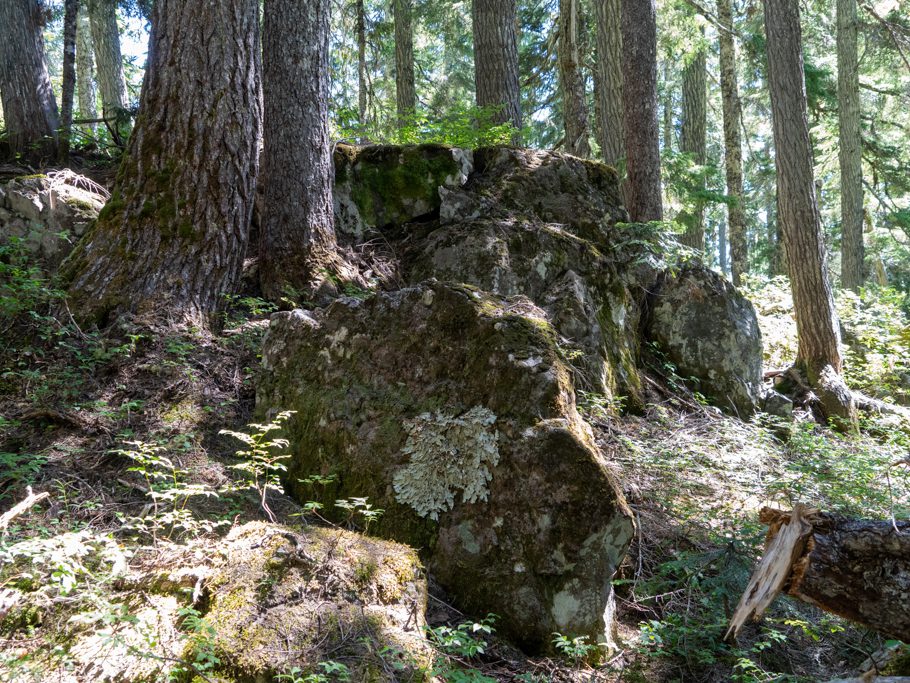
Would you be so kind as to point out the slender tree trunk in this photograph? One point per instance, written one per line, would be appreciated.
(639, 37)
(405, 88)
(733, 155)
(850, 154)
(496, 59)
(70, 13)
(693, 140)
(298, 251)
(722, 247)
(29, 108)
(574, 101)
(667, 112)
(109, 63)
(609, 80)
(85, 69)
(171, 241)
(362, 85)
(817, 326)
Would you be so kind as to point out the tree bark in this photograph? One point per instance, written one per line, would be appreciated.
(85, 69)
(171, 241)
(817, 326)
(642, 134)
(574, 102)
(405, 87)
(361, 64)
(298, 251)
(496, 59)
(850, 153)
(609, 80)
(733, 155)
(722, 247)
(109, 63)
(693, 141)
(856, 569)
(29, 108)
(70, 13)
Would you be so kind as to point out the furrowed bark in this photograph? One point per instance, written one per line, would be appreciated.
(171, 241)
(496, 59)
(29, 108)
(609, 80)
(574, 102)
(642, 133)
(70, 13)
(405, 84)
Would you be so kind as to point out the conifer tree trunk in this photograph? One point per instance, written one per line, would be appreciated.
(850, 153)
(405, 88)
(109, 64)
(361, 63)
(816, 320)
(733, 155)
(693, 140)
(171, 240)
(642, 135)
(722, 247)
(298, 250)
(29, 108)
(85, 69)
(496, 58)
(70, 13)
(574, 102)
(608, 15)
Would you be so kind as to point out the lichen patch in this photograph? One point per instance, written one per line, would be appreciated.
(448, 454)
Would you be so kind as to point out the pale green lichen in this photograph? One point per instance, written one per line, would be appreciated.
(448, 454)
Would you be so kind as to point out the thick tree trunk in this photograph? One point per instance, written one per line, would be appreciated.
(850, 154)
(109, 64)
(733, 155)
(856, 569)
(405, 87)
(29, 108)
(816, 320)
(693, 140)
(85, 69)
(362, 85)
(496, 59)
(639, 36)
(298, 248)
(171, 241)
(609, 80)
(70, 13)
(574, 102)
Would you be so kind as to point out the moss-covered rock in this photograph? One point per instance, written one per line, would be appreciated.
(280, 597)
(452, 410)
(709, 331)
(384, 185)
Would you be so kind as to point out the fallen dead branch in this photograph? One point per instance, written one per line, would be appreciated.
(30, 501)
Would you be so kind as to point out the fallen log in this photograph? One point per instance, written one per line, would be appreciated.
(856, 569)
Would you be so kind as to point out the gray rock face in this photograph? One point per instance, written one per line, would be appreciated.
(452, 410)
(48, 214)
(543, 226)
(710, 332)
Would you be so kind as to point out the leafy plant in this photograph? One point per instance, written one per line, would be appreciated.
(261, 465)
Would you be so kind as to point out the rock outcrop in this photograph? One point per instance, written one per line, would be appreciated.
(48, 214)
(449, 401)
(709, 331)
(454, 411)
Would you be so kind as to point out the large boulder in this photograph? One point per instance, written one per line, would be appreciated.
(710, 332)
(453, 410)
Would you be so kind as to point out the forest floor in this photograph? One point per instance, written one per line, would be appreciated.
(77, 407)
